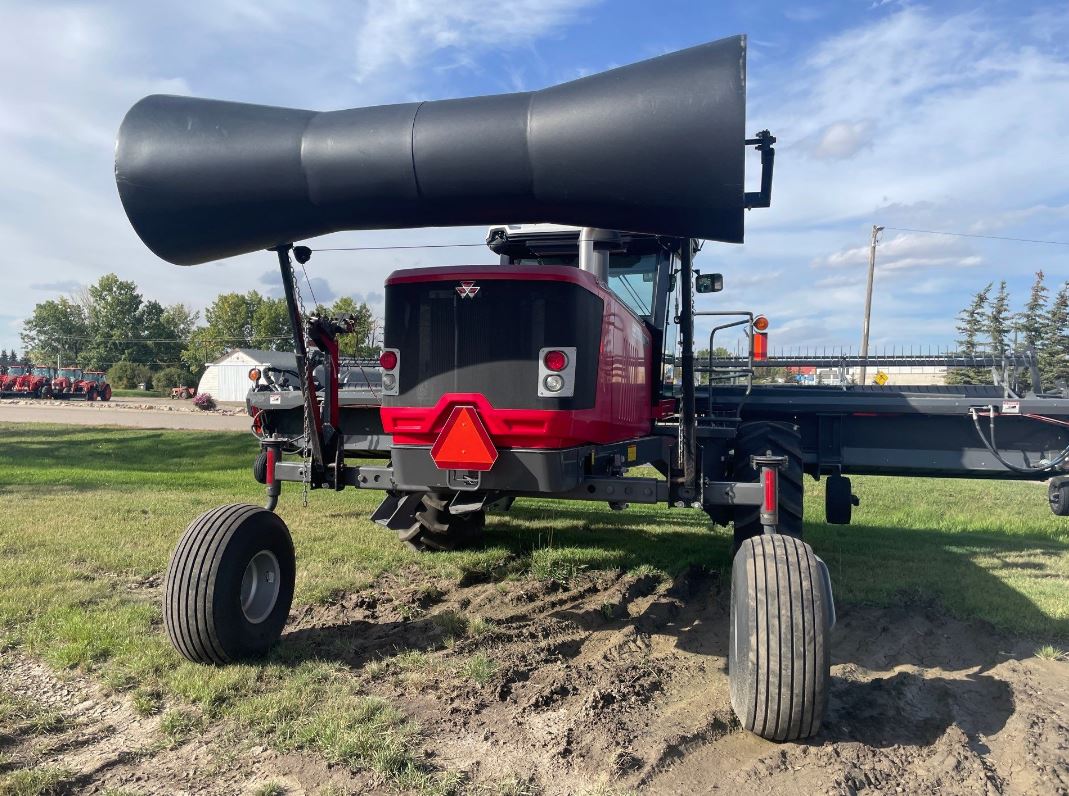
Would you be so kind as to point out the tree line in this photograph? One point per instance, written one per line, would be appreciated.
(110, 326)
(989, 327)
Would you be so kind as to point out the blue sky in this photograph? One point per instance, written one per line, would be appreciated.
(948, 116)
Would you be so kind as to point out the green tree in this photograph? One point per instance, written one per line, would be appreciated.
(971, 323)
(181, 320)
(999, 321)
(167, 378)
(360, 343)
(701, 360)
(3, 358)
(271, 326)
(238, 320)
(1032, 320)
(1054, 354)
(128, 375)
(57, 329)
(115, 321)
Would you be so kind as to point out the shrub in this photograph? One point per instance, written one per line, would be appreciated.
(128, 375)
(204, 401)
(173, 377)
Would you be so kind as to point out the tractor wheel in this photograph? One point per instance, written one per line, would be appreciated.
(1058, 494)
(91, 395)
(229, 584)
(838, 500)
(105, 394)
(259, 468)
(776, 439)
(779, 657)
(434, 528)
(36, 393)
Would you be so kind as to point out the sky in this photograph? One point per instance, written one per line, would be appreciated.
(950, 116)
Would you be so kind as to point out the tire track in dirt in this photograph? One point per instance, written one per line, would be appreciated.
(101, 743)
(611, 680)
(621, 681)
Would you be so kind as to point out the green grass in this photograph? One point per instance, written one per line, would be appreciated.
(94, 514)
(479, 667)
(270, 789)
(1049, 652)
(118, 393)
(41, 781)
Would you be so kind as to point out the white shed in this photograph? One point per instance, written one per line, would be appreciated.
(227, 378)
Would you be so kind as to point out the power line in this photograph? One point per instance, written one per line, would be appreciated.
(974, 235)
(185, 341)
(413, 246)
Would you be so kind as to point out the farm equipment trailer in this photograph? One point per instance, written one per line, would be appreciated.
(551, 373)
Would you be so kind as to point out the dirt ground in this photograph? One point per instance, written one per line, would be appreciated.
(130, 412)
(611, 683)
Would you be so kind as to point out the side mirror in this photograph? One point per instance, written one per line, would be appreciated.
(709, 283)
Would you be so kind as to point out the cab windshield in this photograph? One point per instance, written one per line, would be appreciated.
(16, 370)
(42, 371)
(72, 372)
(632, 277)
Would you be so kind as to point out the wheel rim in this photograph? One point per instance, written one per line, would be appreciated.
(260, 586)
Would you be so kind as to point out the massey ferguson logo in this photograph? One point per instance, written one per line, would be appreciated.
(467, 289)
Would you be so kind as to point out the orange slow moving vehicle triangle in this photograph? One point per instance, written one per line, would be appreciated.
(464, 443)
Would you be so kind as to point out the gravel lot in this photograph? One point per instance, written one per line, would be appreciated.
(130, 412)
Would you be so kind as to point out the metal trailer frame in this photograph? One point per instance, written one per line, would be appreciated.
(968, 432)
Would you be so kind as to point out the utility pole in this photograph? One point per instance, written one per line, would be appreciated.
(868, 302)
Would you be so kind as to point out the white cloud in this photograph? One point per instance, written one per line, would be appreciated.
(842, 140)
(914, 119)
(405, 33)
(905, 251)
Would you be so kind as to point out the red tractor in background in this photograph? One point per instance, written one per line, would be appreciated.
(7, 381)
(96, 385)
(37, 383)
(68, 383)
(74, 383)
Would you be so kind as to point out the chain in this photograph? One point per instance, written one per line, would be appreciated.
(307, 451)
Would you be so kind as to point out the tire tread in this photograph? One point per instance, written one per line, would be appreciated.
(779, 688)
(191, 582)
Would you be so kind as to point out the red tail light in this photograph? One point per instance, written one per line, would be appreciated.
(770, 475)
(555, 360)
(388, 360)
(760, 346)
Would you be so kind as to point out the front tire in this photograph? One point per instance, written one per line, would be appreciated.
(229, 585)
(779, 657)
(771, 438)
